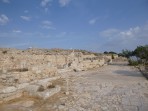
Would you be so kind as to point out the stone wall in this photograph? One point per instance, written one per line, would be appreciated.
(27, 67)
(41, 63)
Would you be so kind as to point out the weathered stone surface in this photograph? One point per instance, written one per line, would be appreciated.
(43, 94)
(22, 86)
(9, 96)
(6, 90)
(25, 104)
(31, 89)
(44, 84)
(111, 88)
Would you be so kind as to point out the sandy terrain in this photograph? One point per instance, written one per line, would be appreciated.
(116, 87)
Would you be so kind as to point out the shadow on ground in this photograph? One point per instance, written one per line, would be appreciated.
(128, 73)
(118, 64)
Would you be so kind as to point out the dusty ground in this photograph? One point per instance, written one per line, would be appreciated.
(115, 87)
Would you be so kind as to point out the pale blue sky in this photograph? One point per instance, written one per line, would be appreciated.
(96, 25)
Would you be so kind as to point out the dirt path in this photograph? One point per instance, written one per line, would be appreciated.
(115, 87)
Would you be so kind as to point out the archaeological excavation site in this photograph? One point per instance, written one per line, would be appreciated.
(69, 80)
(33, 72)
(73, 55)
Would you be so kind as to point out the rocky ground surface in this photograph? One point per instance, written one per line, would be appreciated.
(116, 87)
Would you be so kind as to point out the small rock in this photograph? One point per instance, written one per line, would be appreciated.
(67, 93)
(60, 107)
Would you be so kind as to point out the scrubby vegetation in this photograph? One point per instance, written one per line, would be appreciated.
(111, 52)
(138, 56)
(133, 62)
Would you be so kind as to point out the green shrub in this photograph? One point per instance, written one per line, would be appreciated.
(133, 63)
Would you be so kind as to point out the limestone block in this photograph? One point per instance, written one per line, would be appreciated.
(64, 70)
(3, 76)
(22, 86)
(48, 79)
(48, 93)
(4, 70)
(8, 90)
(31, 89)
(51, 70)
(38, 71)
(24, 80)
(45, 84)
(49, 64)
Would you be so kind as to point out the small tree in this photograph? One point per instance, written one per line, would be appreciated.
(142, 52)
(127, 53)
(105, 52)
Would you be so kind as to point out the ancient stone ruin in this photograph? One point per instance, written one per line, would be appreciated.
(31, 72)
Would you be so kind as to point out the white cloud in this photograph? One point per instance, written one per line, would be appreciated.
(6, 1)
(46, 22)
(93, 21)
(26, 11)
(3, 19)
(45, 3)
(131, 32)
(17, 31)
(62, 34)
(26, 18)
(109, 32)
(63, 3)
(47, 25)
(98, 19)
(125, 39)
